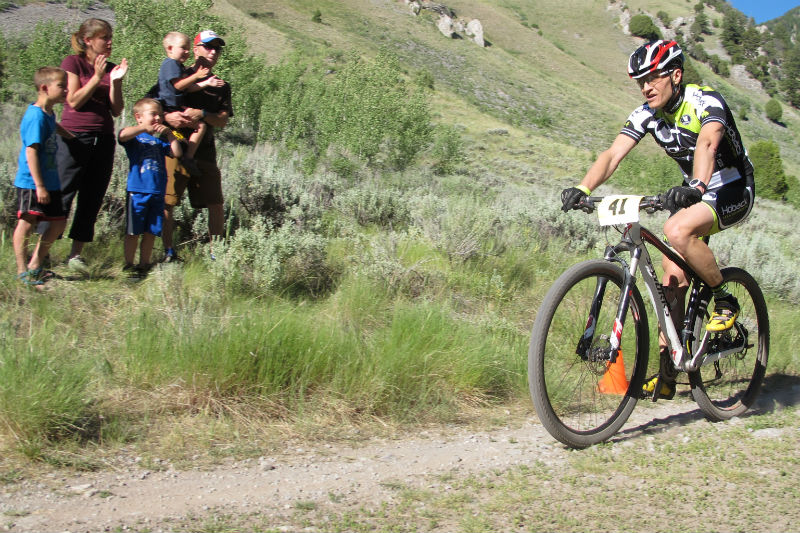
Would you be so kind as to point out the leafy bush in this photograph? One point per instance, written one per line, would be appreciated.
(769, 174)
(643, 26)
(260, 185)
(364, 107)
(691, 74)
(773, 110)
(640, 173)
(447, 150)
(719, 65)
(47, 47)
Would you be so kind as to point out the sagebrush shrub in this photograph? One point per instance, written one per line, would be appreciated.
(374, 205)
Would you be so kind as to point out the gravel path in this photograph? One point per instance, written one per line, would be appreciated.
(134, 497)
(335, 477)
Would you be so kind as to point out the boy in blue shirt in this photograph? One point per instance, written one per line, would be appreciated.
(37, 183)
(146, 144)
(174, 80)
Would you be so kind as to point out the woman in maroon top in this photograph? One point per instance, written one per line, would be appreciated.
(94, 98)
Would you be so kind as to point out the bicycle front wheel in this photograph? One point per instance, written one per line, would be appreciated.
(580, 398)
(728, 387)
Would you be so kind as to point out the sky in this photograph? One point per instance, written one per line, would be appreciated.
(764, 10)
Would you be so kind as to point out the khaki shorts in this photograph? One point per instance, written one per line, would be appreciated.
(203, 191)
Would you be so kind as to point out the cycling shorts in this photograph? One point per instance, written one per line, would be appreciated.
(730, 203)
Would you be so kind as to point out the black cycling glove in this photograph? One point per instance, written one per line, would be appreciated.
(682, 196)
(571, 197)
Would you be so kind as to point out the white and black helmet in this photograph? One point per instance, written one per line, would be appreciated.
(654, 56)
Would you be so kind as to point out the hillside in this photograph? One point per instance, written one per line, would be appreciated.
(353, 355)
(553, 75)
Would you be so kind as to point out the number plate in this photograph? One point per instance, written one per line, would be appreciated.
(619, 209)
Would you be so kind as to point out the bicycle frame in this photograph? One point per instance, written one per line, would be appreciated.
(633, 241)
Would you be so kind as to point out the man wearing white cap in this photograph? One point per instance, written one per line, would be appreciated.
(212, 105)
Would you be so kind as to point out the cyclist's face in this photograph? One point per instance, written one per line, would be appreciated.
(657, 87)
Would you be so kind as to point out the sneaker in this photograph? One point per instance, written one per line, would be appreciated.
(726, 309)
(77, 264)
(130, 270)
(667, 391)
(171, 256)
(191, 167)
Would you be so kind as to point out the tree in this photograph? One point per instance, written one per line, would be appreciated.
(751, 42)
(733, 28)
(702, 24)
(791, 75)
(690, 73)
(643, 26)
(769, 175)
(719, 65)
(773, 110)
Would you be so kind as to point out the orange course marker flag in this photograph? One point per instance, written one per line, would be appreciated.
(614, 380)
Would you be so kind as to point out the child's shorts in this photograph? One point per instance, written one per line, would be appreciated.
(144, 213)
(28, 205)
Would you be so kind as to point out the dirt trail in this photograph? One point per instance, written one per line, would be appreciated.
(328, 476)
(356, 476)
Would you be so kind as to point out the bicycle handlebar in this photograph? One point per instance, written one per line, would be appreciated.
(651, 204)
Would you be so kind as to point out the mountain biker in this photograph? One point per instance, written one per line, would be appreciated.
(694, 126)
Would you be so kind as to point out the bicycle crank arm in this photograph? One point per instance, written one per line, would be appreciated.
(701, 357)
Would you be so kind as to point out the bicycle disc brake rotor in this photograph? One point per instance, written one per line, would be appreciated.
(599, 355)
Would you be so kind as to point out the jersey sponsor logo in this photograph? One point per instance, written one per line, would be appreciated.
(728, 209)
(734, 140)
(686, 120)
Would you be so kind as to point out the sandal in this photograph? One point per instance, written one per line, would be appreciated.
(31, 278)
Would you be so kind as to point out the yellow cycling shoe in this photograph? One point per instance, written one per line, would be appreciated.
(726, 310)
(667, 388)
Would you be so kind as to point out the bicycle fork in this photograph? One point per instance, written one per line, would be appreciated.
(584, 348)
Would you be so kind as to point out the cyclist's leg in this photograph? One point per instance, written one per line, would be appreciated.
(684, 230)
(730, 203)
(675, 287)
(676, 284)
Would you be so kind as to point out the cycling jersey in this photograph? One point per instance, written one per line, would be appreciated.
(676, 131)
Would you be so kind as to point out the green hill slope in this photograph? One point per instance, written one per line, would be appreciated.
(553, 75)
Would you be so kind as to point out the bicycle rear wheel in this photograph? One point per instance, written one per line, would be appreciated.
(728, 387)
(581, 399)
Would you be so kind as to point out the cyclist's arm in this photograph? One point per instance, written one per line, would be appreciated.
(608, 161)
(706, 150)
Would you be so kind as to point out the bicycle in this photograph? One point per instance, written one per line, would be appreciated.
(584, 387)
